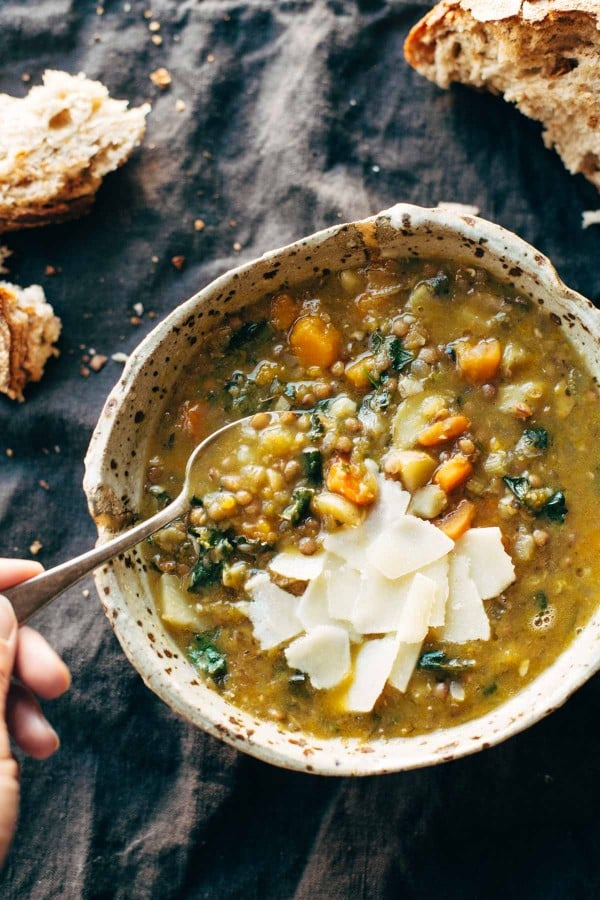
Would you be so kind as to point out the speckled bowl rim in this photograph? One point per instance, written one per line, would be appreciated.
(476, 240)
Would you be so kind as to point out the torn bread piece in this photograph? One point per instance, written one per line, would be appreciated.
(542, 55)
(57, 144)
(28, 331)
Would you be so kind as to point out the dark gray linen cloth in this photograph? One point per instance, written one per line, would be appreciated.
(297, 115)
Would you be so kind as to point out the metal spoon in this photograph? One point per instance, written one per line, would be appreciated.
(30, 596)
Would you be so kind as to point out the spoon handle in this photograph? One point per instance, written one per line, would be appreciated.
(30, 596)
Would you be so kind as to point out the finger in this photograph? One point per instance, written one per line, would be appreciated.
(14, 571)
(8, 645)
(28, 725)
(9, 808)
(39, 667)
(9, 773)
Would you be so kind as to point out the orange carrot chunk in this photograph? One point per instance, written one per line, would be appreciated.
(351, 481)
(458, 521)
(315, 342)
(284, 310)
(479, 362)
(453, 472)
(443, 431)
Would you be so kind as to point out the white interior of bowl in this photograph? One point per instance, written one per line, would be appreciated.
(115, 475)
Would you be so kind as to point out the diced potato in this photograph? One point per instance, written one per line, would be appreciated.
(414, 467)
(564, 401)
(342, 408)
(513, 357)
(175, 608)
(478, 363)
(512, 397)
(339, 508)
(352, 281)
(412, 415)
(428, 502)
(315, 342)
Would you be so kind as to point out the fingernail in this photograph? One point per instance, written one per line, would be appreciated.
(8, 621)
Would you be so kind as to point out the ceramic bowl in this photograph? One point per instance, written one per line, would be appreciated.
(115, 475)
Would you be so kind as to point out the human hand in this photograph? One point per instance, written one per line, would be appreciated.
(27, 657)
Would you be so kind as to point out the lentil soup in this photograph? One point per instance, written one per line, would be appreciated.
(438, 408)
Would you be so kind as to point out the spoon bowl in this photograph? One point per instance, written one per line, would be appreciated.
(30, 596)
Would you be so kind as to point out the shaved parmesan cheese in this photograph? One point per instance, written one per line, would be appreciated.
(392, 503)
(297, 566)
(175, 607)
(413, 622)
(348, 543)
(490, 566)
(466, 618)
(404, 665)
(379, 603)
(372, 667)
(312, 607)
(407, 545)
(438, 572)
(323, 653)
(273, 612)
(343, 585)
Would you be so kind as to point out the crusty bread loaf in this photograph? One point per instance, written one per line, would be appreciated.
(28, 330)
(542, 55)
(56, 145)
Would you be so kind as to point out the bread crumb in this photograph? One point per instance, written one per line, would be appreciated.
(156, 40)
(50, 270)
(161, 78)
(237, 246)
(84, 372)
(10, 452)
(35, 547)
(154, 26)
(119, 357)
(99, 10)
(97, 362)
(25, 77)
(590, 217)
(232, 223)
(178, 262)
(4, 254)
(135, 320)
(210, 58)
(180, 106)
(148, 14)
(154, 259)
(85, 593)
(138, 309)
(199, 225)
(44, 484)
(152, 315)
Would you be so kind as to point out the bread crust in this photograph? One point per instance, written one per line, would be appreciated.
(28, 330)
(541, 55)
(56, 146)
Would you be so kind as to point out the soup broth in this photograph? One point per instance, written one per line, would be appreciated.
(417, 401)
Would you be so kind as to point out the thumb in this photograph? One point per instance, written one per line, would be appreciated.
(9, 772)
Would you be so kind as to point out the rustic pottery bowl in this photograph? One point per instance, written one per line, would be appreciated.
(115, 475)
